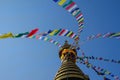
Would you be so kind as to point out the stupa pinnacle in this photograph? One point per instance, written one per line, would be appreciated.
(69, 70)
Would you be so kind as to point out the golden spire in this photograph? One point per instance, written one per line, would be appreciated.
(69, 70)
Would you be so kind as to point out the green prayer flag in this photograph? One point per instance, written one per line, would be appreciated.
(115, 35)
(21, 34)
(67, 4)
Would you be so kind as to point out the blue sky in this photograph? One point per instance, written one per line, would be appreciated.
(31, 59)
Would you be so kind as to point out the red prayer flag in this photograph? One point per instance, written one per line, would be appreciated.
(32, 32)
(69, 6)
(61, 32)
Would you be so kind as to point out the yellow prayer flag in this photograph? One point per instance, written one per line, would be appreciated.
(81, 20)
(81, 27)
(69, 33)
(53, 32)
(61, 2)
(7, 35)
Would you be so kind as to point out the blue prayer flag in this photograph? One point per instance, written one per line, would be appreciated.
(55, 0)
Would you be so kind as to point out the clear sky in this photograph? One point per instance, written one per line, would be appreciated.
(31, 59)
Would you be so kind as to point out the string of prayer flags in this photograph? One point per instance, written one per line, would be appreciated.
(115, 35)
(49, 40)
(102, 59)
(31, 36)
(54, 32)
(98, 70)
(45, 33)
(99, 35)
(64, 32)
(82, 52)
(106, 35)
(91, 37)
(73, 9)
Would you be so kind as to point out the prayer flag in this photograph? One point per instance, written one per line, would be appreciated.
(34, 31)
(72, 36)
(67, 4)
(21, 34)
(61, 2)
(58, 32)
(98, 35)
(68, 35)
(66, 31)
(81, 19)
(53, 32)
(116, 35)
(7, 35)
(55, 0)
(79, 16)
(73, 7)
(62, 31)
(75, 11)
(70, 5)
(49, 31)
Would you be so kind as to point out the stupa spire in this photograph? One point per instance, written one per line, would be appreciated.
(69, 70)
